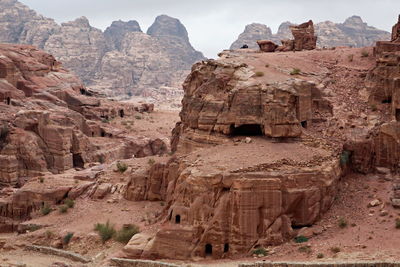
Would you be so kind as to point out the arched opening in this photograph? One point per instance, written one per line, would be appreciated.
(208, 249)
(178, 219)
(247, 130)
(387, 100)
(304, 124)
(77, 161)
(83, 91)
(8, 100)
(226, 247)
(92, 134)
(121, 113)
(103, 133)
(397, 114)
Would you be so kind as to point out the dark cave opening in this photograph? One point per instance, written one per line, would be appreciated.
(247, 130)
(77, 161)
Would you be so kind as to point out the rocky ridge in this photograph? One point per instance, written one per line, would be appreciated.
(145, 62)
(353, 32)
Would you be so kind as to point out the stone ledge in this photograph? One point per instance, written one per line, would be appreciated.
(140, 263)
(58, 252)
(321, 264)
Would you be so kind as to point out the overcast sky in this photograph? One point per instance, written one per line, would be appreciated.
(214, 24)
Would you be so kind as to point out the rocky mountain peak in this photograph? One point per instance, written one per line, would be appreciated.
(117, 30)
(81, 22)
(167, 26)
(253, 31)
(354, 20)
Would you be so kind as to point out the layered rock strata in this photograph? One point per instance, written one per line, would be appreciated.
(49, 123)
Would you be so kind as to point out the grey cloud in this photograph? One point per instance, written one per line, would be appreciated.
(214, 24)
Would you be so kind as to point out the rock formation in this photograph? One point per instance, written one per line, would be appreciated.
(304, 36)
(353, 32)
(145, 61)
(48, 123)
(267, 46)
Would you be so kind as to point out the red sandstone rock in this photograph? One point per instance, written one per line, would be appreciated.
(267, 46)
(396, 32)
(304, 37)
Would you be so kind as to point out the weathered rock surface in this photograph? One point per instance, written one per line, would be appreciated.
(353, 32)
(304, 36)
(48, 123)
(145, 61)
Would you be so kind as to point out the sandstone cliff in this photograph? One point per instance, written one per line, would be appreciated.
(353, 32)
(51, 123)
(145, 62)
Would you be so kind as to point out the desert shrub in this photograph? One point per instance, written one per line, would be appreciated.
(41, 180)
(305, 249)
(342, 222)
(104, 120)
(350, 57)
(138, 117)
(259, 73)
(397, 223)
(300, 239)
(34, 227)
(335, 249)
(374, 107)
(67, 238)
(122, 167)
(345, 157)
(49, 234)
(63, 209)
(70, 203)
(320, 255)
(295, 71)
(151, 161)
(126, 233)
(46, 209)
(364, 53)
(106, 231)
(260, 251)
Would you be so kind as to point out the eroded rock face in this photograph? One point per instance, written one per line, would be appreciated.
(304, 36)
(145, 62)
(380, 146)
(223, 98)
(353, 32)
(48, 123)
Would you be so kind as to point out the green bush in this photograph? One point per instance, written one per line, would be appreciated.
(260, 251)
(69, 203)
(126, 233)
(106, 231)
(300, 239)
(46, 209)
(63, 209)
(67, 238)
(259, 73)
(295, 71)
(122, 167)
(364, 53)
(320, 255)
(342, 223)
(151, 161)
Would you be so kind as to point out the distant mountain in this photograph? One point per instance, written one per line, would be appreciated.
(120, 60)
(353, 32)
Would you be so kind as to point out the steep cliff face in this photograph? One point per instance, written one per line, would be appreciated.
(353, 32)
(49, 123)
(94, 56)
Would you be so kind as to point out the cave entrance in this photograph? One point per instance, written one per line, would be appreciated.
(103, 133)
(387, 100)
(208, 249)
(226, 247)
(83, 91)
(397, 114)
(8, 100)
(178, 219)
(121, 113)
(247, 130)
(77, 161)
(304, 124)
